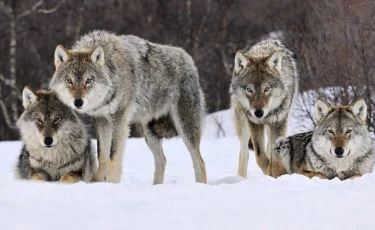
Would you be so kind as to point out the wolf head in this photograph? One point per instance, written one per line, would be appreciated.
(341, 130)
(45, 119)
(257, 83)
(80, 78)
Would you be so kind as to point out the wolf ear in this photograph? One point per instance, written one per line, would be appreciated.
(28, 97)
(61, 56)
(240, 62)
(97, 55)
(321, 108)
(359, 108)
(274, 62)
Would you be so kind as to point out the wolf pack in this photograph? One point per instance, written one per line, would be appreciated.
(121, 79)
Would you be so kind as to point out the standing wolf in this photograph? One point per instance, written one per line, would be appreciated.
(263, 89)
(122, 79)
(340, 145)
(56, 145)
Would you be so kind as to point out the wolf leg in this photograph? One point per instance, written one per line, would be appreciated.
(313, 174)
(187, 120)
(155, 145)
(276, 131)
(257, 137)
(70, 178)
(104, 135)
(119, 135)
(243, 133)
(354, 177)
(281, 154)
(41, 176)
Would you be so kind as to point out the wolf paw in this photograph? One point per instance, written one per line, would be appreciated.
(69, 178)
(282, 147)
(101, 175)
(38, 177)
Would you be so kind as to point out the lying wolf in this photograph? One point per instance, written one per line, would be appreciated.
(340, 145)
(56, 145)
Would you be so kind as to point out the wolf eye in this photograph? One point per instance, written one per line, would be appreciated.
(57, 119)
(249, 90)
(330, 131)
(38, 120)
(69, 81)
(267, 89)
(89, 80)
(348, 131)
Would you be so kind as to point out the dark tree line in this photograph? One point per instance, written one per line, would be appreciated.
(334, 40)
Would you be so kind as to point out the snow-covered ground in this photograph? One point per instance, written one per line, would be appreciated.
(227, 202)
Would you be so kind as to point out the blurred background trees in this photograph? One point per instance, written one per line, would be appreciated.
(333, 40)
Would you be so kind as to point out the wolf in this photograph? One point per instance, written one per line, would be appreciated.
(340, 145)
(263, 89)
(118, 79)
(56, 145)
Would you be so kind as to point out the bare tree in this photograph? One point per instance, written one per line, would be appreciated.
(11, 116)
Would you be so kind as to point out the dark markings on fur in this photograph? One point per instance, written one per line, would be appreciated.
(148, 50)
(98, 146)
(111, 66)
(257, 150)
(162, 127)
(250, 144)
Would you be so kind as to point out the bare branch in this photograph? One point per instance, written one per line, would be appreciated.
(53, 9)
(219, 125)
(42, 11)
(32, 10)
(12, 84)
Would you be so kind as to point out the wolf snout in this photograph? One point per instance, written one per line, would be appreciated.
(259, 113)
(78, 103)
(48, 141)
(339, 151)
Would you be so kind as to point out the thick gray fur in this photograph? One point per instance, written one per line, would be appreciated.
(313, 151)
(137, 81)
(71, 153)
(265, 78)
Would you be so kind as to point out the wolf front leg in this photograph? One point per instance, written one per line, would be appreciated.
(281, 157)
(257, 137)
(40, 176)
(71, 178)
(120, 133)
(243, 133)
(275, 167)
(355, 176)
(104, 139)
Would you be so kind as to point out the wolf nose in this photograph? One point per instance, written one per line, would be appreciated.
(258, 113)
(78, 103)
(339, 151)
(48, 141)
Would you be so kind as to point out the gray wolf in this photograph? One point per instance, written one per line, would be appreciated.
(56, 145)
(122, 79)
(263, 89)
(340, 145)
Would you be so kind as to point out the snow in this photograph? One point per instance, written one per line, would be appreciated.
(227, 202)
